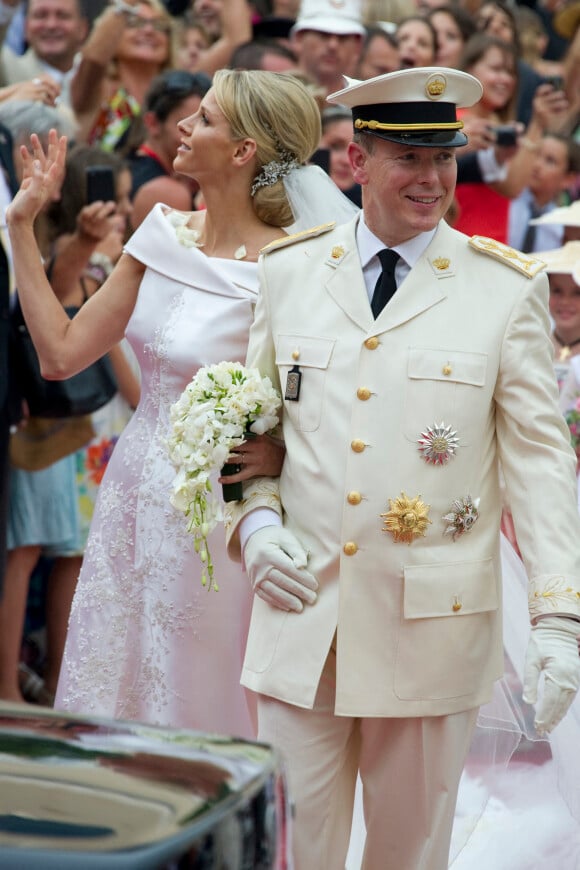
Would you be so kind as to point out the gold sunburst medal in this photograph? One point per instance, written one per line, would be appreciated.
(407, 518)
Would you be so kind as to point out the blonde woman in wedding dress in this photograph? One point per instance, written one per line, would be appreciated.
(145, 640)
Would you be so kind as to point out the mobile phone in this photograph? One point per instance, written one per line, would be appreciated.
(100, 184)
(557, 82)
(506, 135)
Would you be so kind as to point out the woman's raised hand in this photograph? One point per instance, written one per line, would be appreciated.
(42, 175)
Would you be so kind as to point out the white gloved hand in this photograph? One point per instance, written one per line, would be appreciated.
(553, 651)
(276, 565)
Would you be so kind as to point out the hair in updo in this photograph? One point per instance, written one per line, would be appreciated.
(277, 111)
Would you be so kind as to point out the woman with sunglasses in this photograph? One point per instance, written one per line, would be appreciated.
(129, 45)
(146, 641)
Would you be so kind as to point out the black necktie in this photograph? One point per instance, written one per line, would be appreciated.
(530, 236)
(386, 285)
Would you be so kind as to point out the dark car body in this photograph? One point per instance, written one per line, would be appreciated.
(88, 793)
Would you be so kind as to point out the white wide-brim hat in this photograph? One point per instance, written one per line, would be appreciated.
(566, 216)
(411, 106)
(563, 261)
(340, 17)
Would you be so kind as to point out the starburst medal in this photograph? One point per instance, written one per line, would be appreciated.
(438, 443)
(407, 518)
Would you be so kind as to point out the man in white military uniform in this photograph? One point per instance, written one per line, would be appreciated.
(376, 630)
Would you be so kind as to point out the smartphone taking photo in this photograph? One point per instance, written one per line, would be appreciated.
(100, 184)
(506, 135)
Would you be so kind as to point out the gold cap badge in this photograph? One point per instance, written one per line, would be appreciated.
(435, 86)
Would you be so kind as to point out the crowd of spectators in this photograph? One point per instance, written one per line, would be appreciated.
(117, 76)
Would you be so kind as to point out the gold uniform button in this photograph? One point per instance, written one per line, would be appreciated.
(354, 497)
(363, 393)
(357, 445)
(372, 343)
(350, 548)
(295, 354)
(457, 607)
(447, 370)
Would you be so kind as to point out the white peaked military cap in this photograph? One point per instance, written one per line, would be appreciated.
(566, 216)
(341, 17)
(563, 261)
(411, 106)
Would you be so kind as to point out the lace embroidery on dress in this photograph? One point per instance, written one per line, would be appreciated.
(145, 640)
(131, 566)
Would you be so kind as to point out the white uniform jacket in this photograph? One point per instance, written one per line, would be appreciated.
(464, 344)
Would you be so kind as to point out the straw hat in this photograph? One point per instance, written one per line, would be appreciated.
(563, 261)
(40, 442)
(566, 216)
(411, 106)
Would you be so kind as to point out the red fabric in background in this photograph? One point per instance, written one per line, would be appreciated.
(481, 211)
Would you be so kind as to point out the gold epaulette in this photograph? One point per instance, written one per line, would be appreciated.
(528, 266)
(297, 237)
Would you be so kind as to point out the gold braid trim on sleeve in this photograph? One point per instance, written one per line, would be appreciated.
(554, 594)
(260, 495)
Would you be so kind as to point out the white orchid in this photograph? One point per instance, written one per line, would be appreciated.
(212, 416)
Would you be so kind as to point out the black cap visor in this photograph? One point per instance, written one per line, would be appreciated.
(428, 139)
(430, 125)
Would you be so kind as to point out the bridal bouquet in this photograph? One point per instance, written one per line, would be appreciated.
(214, 414)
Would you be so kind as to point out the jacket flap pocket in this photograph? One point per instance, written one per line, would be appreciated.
(300, 350)
(447, 365)
(449, 589)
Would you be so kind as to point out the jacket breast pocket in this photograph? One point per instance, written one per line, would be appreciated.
(312, 357)
(443, 386)
(449, 629)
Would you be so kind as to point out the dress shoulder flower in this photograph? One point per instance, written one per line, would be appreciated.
(186, 236)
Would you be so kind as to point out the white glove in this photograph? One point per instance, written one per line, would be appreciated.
(276, 565)
(553, 651)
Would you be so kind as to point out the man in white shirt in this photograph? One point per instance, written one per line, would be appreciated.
(54, 31)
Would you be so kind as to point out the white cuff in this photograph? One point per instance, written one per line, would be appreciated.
(257, 519)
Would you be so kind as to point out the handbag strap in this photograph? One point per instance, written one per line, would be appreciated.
(49, 270)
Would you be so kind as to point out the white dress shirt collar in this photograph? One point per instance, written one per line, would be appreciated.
(369, 245)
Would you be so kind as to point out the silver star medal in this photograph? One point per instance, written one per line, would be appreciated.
(438, 444)
(462, 517)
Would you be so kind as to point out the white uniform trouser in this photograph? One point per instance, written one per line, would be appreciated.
(410, 769)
